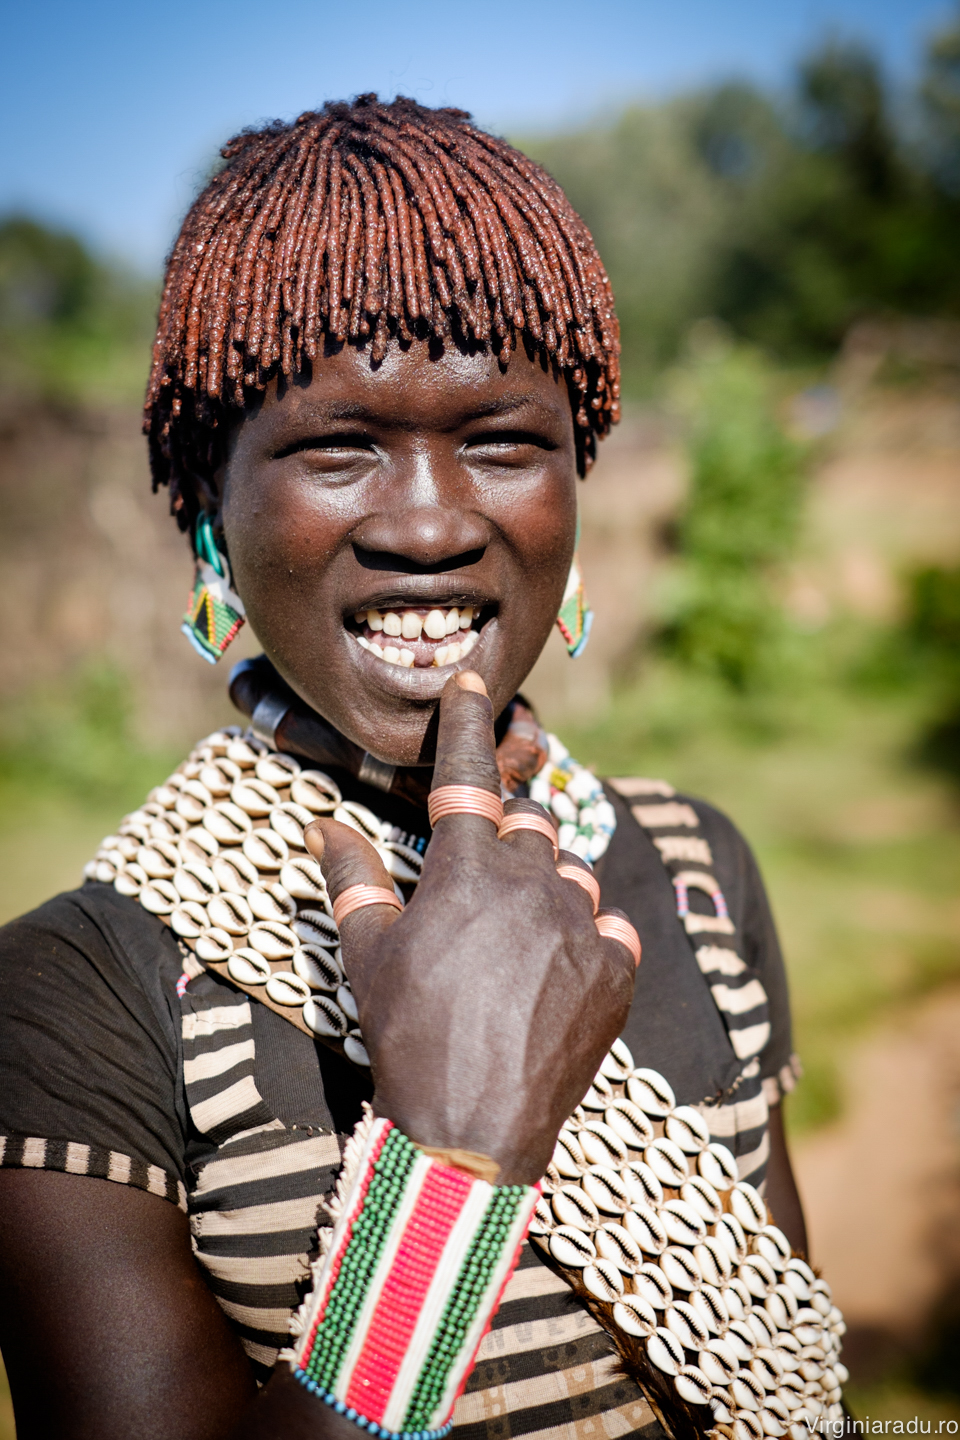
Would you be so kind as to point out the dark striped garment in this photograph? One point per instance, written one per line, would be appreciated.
(253, 1184)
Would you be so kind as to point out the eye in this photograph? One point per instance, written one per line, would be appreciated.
(509, 446)
(338, 444)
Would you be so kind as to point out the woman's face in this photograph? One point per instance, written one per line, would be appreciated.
(432, 496)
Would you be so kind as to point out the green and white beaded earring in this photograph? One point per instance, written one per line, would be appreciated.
(575, 617)
(215, 612)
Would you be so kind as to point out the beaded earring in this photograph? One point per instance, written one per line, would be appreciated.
(215, 612)
(575, 617)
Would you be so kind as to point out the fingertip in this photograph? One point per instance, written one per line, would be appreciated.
(470, 680)
(314, 839)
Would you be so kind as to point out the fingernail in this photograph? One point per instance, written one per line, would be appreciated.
(470, 680)
(313, 836)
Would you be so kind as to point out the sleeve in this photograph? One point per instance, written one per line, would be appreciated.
(740, 878)
(89, 1045)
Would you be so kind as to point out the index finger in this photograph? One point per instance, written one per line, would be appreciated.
(466, 746)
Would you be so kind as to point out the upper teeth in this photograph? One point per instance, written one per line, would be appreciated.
(409, 625)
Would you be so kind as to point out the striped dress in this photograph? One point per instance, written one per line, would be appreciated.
(254, 1171)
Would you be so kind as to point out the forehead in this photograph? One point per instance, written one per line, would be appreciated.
(420, 387)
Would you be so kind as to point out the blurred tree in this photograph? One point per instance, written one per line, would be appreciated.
(940, 97)
(741, 522)
(71, 326)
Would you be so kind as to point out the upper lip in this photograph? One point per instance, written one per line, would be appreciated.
(422, 592)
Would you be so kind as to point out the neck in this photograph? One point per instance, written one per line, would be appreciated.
(284, 720)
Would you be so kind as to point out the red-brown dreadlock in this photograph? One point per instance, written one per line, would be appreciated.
(365, 222)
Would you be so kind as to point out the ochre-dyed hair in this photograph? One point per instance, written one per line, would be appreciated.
(373, 224)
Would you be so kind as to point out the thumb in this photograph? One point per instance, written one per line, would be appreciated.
(347, 858)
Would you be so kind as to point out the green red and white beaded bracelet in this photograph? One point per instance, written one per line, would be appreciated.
(408, 1284)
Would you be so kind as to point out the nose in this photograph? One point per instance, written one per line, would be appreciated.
(425, 523)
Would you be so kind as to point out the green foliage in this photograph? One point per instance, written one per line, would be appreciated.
(72, 327)
(740, 524)
(931, 638)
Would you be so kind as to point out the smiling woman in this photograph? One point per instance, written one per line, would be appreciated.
(288, 1082)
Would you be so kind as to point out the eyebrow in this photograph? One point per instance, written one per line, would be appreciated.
(328, 412)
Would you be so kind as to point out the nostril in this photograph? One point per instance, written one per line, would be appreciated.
(403, 565)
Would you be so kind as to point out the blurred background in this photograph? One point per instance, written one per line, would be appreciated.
(771, 539)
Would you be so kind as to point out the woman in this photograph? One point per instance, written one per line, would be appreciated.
(386, 348)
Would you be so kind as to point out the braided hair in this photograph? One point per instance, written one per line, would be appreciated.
(365, 223)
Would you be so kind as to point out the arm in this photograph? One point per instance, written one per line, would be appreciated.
(782, 1194)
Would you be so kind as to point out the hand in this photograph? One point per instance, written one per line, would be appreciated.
(488, 1005)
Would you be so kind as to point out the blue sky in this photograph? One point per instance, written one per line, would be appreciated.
(112, 109)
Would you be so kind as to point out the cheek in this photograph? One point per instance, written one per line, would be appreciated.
(278, 540)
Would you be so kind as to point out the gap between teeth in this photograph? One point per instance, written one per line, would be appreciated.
(436, 625)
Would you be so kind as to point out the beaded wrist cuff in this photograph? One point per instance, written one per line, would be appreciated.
(406, 1286)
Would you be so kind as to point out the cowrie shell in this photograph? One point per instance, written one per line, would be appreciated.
(572, 1207)
(289, 821)
(316, 792)
(718, 1361)
(614, 1244)
(684, 1322)
(701, 1196)
(682, 1223)
(359, 818)
(603, 1280)
(746, 1426)
(230, 913)
(318, 967)
(400, 862)
(214, 944)
(606, 1189)
(800, 1267)
(693, 1386)
(164, 795)
(718, 1166)
(687, 1128)
(778, 1307)
(634, 1315)
(270, 901)
(714, 1260)
(649, 1090)
(568, 1157)
(303, 878)
(266, 849)
(248, 968)
(760, 1325)
(653, 1286)
(276, 942)
(286, 988)
(746, 1391)
(629, 1122)
(680, 1268)
(220, 776)
(737, 1298)
(131, 881)
(644, 1226)
(820, 1302)
(757, 1275)
(600, 1144)
(355, 1050)
(253, 796)
(739, 1336)
(324, 1016)
(770, 1418)
(169, 826)
(643, 1187)
(245, 752)
(160, 859)
(667, 1161)
(571, 1247)
(541, 1221)
(729, 1232)
(595, 1099)
(193, 801)
(347, 1003)
(197, 846)
(227, 822)
(708, 1303)
(105, 870)
(196, 882)
(773, 1245)
(617, 1064)
(314, 927)
(748, 1206)
(234, 872)
(159, 897)
(275, 769)
(190, 920)
(767, 1368)
(786, 1344)
(665, 1351)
